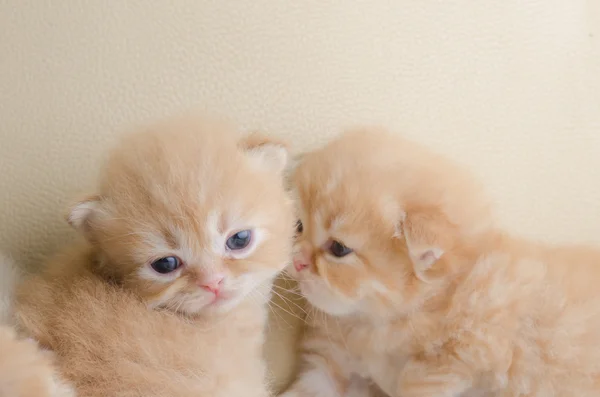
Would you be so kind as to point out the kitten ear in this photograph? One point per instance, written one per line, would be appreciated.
(267, 152)
(424, 234)
(80, 213)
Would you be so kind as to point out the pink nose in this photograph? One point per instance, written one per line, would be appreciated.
(214, 285)
(300, 264)
(303, 257)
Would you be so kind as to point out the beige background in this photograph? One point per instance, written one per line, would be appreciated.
(511, 87)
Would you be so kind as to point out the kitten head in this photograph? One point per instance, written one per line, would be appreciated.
(382, 222)
(190, 216)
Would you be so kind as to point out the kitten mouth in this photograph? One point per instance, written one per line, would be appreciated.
(218, 299)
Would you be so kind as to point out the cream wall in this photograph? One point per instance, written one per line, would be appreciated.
(511, 87)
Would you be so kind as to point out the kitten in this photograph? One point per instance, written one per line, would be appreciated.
(413, 288)
(191, 222)
(25, 370)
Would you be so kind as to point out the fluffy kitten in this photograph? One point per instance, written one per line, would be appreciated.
(189, 220)
(25, 370)
(413, 288)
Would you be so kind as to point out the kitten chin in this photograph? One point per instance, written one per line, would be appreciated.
(178, 226)
(415, 289)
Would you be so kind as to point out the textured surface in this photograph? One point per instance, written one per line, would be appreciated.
(510, 87)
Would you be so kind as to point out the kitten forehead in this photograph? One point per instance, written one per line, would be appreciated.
(320, 232)
(337, 223)
(184, 169)
(179, 162)
(214, 227)
(371, 173)
(390, 208)
(336, 228)
(334, 178)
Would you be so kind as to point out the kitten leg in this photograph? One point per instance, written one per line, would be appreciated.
(317, 381)
(26, 370)
(320, 380)
(430, 379)
(360, 387)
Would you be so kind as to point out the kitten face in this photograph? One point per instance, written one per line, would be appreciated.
(377, 216)
(190, 218)
(346, 258)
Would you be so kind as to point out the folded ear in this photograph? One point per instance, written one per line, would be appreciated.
(265, 151)
(426, 234)
(81, 212)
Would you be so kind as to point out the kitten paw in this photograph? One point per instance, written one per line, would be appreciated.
(422, 380)
(26, 370)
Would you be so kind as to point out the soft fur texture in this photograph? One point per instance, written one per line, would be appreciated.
(433, 300)
(25, 369)
(119, 327)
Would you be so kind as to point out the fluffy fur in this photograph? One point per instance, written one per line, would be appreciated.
(25, 370)
(431, 299)
(180, 189)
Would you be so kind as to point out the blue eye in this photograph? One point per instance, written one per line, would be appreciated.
(339, 250)
(239, 241)
(166, 265)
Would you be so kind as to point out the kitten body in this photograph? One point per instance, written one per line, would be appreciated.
(413, 287)
(25, 369)
(125, 321)
(110, 343)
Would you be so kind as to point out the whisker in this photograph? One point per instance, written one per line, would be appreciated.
(271, 308)
(294, 289)
(288, 312)
(299, 296)
(288, 301)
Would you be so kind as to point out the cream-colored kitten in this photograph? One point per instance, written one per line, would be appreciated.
(25, 369)
(191, 221)
(414, 289)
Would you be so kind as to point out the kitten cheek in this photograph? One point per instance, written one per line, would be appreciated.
(326, 300)
(159, 295)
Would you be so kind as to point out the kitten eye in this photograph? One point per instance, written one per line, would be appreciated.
(166, 265)
(299, 227)
(239, 241)
(339, 250)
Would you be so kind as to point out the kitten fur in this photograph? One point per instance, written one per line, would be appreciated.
(25, 370)
(434, 300)
(118, 327)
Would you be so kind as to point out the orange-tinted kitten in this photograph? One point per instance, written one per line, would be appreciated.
(189, 220)
(25, 369)
(414, 289)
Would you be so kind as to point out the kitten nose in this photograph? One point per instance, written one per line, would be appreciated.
(300, 265)
(303, 257)
(213, 285)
